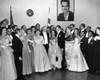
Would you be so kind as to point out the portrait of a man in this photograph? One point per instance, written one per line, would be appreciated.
(66, 14)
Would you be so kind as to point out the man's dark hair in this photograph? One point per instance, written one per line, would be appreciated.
(98, 28)
(37, 24)
(17, 30)
(92, 33)
(83, 25)
(89, 27)
(66, 1)
(72, 25)
(8, 28)
(22, 26)
(27, 30)
(59, 26)
(33, 27)
(14, 26)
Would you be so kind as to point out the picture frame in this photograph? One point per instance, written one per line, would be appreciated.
(62, 6)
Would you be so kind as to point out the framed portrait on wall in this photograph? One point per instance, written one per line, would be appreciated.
(65, 10)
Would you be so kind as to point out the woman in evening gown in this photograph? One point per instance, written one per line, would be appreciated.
(8, 70)
(77, 61)
(41, 60)
(27, 68)
(55, 54)
(68, 44)
(31, 45)
(97, 51)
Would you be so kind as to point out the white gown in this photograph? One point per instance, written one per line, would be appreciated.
(41, 60)
(27, 67)
(8, 70)
(68, 51)
(55, 52)
(77, 61)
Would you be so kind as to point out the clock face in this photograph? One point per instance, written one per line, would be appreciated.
(30, 12)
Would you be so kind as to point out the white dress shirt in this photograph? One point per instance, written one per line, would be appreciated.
(58, 33)
(82, 29)
(45, 38)
(18, 36)
(87, 35)
(72, 31)
(89, 40)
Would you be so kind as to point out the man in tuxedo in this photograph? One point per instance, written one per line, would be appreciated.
(45, 37)
(82, 28)
(84, 43)
(90, 52)
(17, 47)
(60, 37)
(14, 27)
(72, 27)
(88, 28)
(61, 43)
(67, 15)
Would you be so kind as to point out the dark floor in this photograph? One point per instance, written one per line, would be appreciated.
(63, 75)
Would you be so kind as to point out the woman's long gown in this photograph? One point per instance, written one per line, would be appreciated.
(68, 48)
(31, 47)
(96, 55)
(41, 60)
(55, 54)
(8, 70)
(27, 67)
(77, 61)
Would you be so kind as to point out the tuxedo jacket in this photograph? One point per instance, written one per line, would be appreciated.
(83, 45)
(13, 34)
(97, 48)
(90, 49)
(17, 47)
(70, 17)
(85, 31)
(97, 53)
(61, 39)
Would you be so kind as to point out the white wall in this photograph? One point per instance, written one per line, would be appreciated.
(98, 17)
(85, 11)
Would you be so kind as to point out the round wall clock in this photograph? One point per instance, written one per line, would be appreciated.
(30, 12)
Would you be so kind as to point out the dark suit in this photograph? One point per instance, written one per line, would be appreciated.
(91, 56)
(61, 44)
(83, 46)
(61, 40)
(85, 31)
(46, 45)
(17, 47)
(97, 55)
(70, 17)
(13, 34)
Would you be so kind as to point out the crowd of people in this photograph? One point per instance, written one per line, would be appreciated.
(26, 50)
